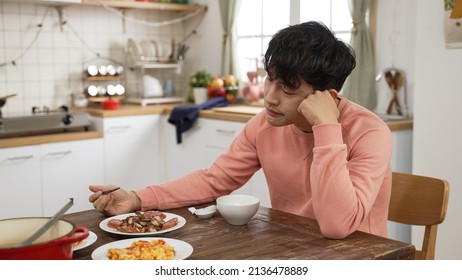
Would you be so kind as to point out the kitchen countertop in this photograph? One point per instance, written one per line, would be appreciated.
(49, 138)
(237, 113)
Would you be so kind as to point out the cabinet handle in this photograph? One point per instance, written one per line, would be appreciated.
(118, 128)
(21, 157)
(225, 131)
(60, 153)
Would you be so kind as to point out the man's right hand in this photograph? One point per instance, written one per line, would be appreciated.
(118, 202)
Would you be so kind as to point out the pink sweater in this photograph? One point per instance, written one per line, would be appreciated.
(339, 175)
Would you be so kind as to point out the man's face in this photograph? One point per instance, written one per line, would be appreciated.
(282, 103)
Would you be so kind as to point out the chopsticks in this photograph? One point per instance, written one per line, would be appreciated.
(109, 191)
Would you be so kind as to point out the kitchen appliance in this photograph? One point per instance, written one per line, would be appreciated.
(44, 121)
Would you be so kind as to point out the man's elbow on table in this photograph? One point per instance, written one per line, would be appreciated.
(331, 232)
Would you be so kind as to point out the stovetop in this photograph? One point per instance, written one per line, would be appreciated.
(44, 121)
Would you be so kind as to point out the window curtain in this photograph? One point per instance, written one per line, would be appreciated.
(228, 12)
(360, 85)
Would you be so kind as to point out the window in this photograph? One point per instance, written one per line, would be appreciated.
(258, 20)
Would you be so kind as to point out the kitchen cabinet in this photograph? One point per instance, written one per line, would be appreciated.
(401, 161)
(211, 137)
(68, 168)
(401, 158)
(37, 180)
(220, 135)
(189, 155)
(21, 193)
(131, 149)
(200, 146)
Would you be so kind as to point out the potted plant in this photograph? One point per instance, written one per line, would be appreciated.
(198, 83)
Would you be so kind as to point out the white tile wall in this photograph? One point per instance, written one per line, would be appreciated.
(49, 70)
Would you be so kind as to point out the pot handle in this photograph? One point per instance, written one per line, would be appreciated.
(79, 234)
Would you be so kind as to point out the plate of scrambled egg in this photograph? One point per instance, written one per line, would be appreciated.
(144, 249)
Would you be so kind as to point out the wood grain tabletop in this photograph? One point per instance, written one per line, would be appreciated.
(270, 234)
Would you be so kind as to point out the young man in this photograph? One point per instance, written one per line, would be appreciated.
(323, 156)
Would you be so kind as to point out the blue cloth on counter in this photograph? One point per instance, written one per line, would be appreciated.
(184, 116)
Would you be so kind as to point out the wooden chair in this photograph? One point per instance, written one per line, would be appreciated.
(422, 201)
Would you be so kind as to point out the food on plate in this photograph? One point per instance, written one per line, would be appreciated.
(143, 250)
(142, 222)
(78, 243)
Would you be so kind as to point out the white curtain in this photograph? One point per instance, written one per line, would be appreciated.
(228, 12)
(360, 85)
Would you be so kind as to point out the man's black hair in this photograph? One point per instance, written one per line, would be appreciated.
(311, 52)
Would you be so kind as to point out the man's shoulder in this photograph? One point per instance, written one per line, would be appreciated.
(354, 116)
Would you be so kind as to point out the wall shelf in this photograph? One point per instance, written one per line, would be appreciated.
(174, 7)
(119, 4)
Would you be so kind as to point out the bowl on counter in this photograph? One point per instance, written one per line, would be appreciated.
(238, 209)
(55, 244)
(110, 104)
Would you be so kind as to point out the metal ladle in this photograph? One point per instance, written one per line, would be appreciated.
(4, 98)
(47, 225)
(3, 101)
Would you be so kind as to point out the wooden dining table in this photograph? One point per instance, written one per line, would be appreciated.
(270, 234)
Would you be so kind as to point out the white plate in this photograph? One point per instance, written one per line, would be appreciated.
(182, 249)
(92, 237)
(103, 225)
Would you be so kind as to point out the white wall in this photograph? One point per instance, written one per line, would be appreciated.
(437, 119)
(394, 48)
(206, 45)
(51, 70)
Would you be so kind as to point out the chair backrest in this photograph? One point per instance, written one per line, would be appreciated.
(422, 201)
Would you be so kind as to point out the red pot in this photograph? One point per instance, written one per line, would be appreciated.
(110, 104)
(55, 244)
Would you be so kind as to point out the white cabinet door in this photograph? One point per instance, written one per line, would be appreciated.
(21, 194)
(401, 161)
(220, 134)
(189, 155)
(132, 153)
(68, 168)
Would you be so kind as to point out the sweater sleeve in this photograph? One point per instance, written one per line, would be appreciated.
(231, 170)
(346, 180)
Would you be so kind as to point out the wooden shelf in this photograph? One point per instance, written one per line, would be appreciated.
(103, 78)
(174, 7)
(155, 65)
(98, 99)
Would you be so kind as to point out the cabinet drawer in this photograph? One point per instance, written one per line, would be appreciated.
(20, 185)
(220, 134)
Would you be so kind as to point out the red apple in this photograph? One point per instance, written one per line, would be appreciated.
(217, 82)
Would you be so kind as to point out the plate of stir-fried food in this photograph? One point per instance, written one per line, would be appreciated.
(144, 249)
(142, 223)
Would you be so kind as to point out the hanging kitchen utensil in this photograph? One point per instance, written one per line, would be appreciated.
(4, 98)
(47, 225)
(395, 82)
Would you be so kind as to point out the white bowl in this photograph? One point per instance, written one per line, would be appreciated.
(238, 209)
